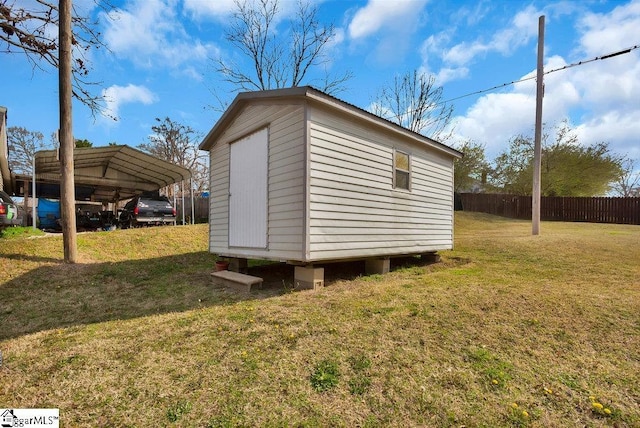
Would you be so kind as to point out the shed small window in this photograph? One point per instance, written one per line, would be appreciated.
(402, 171)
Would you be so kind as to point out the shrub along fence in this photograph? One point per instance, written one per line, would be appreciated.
(558, 208)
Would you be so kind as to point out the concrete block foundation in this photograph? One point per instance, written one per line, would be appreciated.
(238, 265)
(377, 266)
(430, 257)
(308, 277)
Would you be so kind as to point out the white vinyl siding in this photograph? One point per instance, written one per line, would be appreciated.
(285, 185)
(354, 210)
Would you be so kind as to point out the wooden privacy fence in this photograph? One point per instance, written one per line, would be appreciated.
(558, 208)
(200, 206)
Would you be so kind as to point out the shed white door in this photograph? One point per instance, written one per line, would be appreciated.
(248, 191)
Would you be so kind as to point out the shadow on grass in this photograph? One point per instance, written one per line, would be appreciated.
(37, 259)
(63, 295)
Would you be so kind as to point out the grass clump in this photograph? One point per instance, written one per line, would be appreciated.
(495, 371)
(179, 409)
(325, 375)
(19, 232)
(360, 382)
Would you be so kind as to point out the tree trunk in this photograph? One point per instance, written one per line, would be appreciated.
(67, 182)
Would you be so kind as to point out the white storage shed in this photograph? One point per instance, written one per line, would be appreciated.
(300, 176)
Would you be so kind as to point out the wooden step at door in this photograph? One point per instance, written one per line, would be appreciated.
(239, 281)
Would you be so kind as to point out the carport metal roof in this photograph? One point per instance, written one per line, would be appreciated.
(113, 172)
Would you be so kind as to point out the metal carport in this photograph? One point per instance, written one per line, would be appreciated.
(104, 174)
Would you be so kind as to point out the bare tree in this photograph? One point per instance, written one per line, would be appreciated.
(278, 58)
(628, 182)
(29, 28)
(178, 143)
(414, 101)
(23, 144)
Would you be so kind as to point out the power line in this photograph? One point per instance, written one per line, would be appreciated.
(486, 90)
(575, 64)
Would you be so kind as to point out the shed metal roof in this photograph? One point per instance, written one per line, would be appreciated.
(113, 172)
(314, 95)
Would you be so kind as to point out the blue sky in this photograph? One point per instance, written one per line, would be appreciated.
(159, 64)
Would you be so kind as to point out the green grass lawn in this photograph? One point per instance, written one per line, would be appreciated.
(508, 330)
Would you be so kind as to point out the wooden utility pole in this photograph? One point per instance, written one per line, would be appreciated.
(537, 150)
(67, 181)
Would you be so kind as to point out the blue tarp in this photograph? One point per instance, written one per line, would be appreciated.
(48, 213)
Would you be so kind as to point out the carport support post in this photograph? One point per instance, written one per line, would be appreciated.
(182, 187)
(25, 203)
(33, 193)
(193, 220)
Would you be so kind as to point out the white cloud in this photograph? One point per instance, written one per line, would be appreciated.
(456, 60)
(332, 52)
(599, 98)
(337, 39)
(150, 34)
(223, 9)
(497, 117)
(380, 110)
(193, 73)
(471, 16)
(606, 33)
(392, 22)
(611, 85)
(115, 96)
(447, 74)
(383, 13)
(209, 8)
(435, 43)
(621, 128)
(521, 29)
(462, 53)
(607, 100)
(610, 88)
